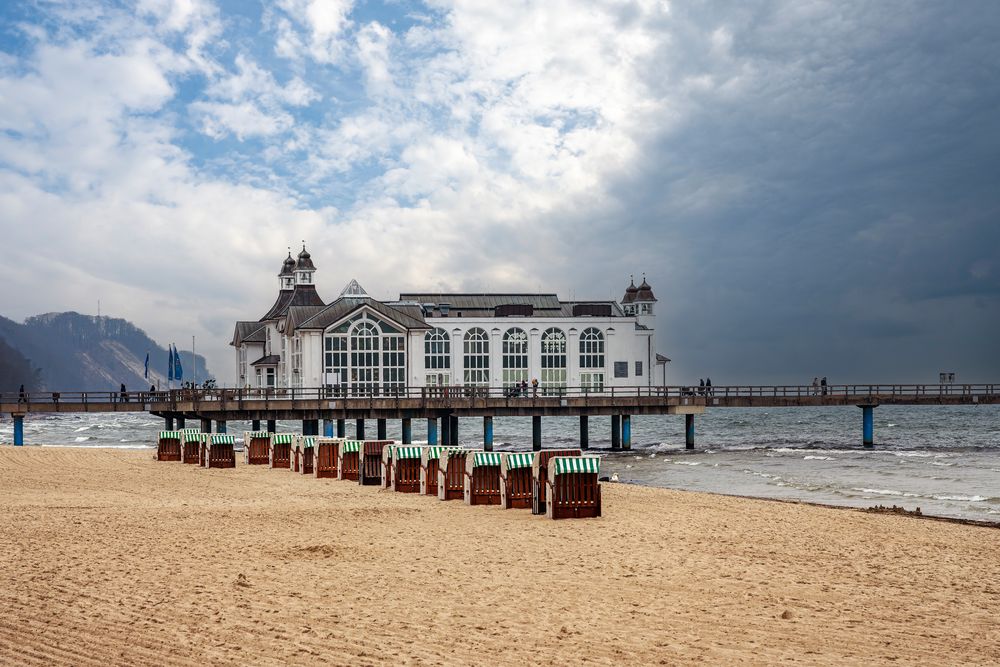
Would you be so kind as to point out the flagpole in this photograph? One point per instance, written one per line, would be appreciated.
(194, 367)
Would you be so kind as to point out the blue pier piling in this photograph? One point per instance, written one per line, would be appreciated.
(488, 434)
(536, 433)
(407, 429)
(689, 431)
(19, 430)
(327, 428)
(432, 431)
(255, 425)
(626, 431)
(359, 429)
(868, 425)
(380, 429)
(341, 428)
(220, 427)
(584, 432)
(616, 432)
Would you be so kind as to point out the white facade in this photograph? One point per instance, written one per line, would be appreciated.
(357, 345)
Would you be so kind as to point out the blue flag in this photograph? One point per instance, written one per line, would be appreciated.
(170, 363)
(178, 369)
(146, 372)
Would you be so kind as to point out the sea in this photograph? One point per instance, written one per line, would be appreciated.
(944, 460)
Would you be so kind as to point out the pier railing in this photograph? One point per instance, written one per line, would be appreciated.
(805, 392)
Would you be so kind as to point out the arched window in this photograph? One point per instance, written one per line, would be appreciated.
(515, 357)
(364, 356)
(592, 359)
(476, 357)
(553, 361)
(437, 358)
(365, 339)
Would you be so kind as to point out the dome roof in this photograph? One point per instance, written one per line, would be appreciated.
(644, 292)
(630, 292)
(305, 262)
(288, 266)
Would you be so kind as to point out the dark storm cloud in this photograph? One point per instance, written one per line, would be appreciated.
(829, 203)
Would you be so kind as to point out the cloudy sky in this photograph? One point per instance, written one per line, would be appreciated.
(812, 188)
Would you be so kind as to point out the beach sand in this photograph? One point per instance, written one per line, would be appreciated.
(108, 557)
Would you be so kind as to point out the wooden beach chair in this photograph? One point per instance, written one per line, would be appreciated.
(326, 451)
(257, 448)
(305, 447)
(451, 473)
(540, 473)
(168, 446)
(280, 450)
(203, 448)
(406, 466)
(220, 450)
(190, 446)
(481, 485)
(347, 462)
(516, 489)
(430, 457)
(370, 461)
(573, 490)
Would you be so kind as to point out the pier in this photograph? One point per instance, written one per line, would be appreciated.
(445, 405)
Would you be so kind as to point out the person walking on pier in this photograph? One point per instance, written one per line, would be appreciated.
(20, 395)
(701, 386)
(822, 385)
(815, 386)
(534, 387)
(708, 386)
(124, 394)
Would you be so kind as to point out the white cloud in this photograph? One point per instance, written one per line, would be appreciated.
(323, 22)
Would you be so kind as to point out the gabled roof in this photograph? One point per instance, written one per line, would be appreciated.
(269, 360)
(353, 288)
(302, 295)
(471, 301)
(248, 332)
(660, 359)
(344, 306)
(296, 315)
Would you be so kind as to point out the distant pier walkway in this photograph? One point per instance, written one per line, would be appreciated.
(447, 404)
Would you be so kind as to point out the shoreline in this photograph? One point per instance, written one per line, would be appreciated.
(984, 523)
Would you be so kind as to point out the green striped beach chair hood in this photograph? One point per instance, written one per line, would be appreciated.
(518, 460)
(223, 439)
(170, 435)
(406, 452)
(191, 436)
(485, 459)
(257, 434)
(568, 464)
(350, 446)
(308, 441)
(281, 438)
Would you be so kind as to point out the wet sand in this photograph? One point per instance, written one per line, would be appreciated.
(108, 557)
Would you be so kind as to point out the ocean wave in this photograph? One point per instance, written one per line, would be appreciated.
(687, 463)
(82, 438)
(817, 458)
(887, 492)
(968, 499)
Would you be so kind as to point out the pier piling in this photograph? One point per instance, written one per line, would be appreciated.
(868, 425)
(446, 430)
(488, 434)
(432, 431)
(616, 432)
(310, 427)
(454, 431)
(19, 430)
(626, 431)
(272, 426)
(584, 432)
(689, 431)
(255, 425)
(407, 429)
(220, 426)
(327, 428)
(341, 428)
(206, 425)
(536, 433)
(359, 429)
(168, 423)
(380, 429)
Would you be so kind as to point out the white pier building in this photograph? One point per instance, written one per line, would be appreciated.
(358, 345)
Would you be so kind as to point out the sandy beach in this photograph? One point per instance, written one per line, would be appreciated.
(108, 557)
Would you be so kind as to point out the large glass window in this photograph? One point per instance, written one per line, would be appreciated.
(592, 348)
(476, 357)
(515, 357)
(366, 356)
(553, 361)
(296, 361)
